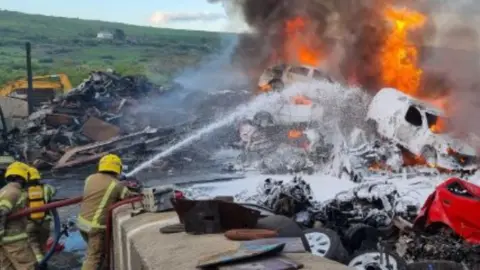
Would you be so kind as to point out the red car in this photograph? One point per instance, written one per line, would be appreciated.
(455, 205)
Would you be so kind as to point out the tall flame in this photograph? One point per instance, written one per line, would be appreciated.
(398, 55)
(300, 45)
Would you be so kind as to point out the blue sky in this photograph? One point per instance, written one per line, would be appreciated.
(183, 14)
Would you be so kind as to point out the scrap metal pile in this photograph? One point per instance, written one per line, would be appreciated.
(96, 117)
(405, 138)
(377, 218)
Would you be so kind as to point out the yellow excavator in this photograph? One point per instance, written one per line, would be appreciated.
(44, 88)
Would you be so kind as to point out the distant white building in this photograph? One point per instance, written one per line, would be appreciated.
(105, 35)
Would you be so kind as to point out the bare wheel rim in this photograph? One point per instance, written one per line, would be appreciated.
(373, 261)
(319, 243)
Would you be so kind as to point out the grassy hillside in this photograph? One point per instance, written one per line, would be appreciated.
(71, 46)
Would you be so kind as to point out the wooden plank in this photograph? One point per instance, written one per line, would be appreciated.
(99, 130)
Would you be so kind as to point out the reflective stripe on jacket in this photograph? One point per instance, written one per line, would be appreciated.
(100, 192)
(12, 199)
(49, 191)
(13, 238)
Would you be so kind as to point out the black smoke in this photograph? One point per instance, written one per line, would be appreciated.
(352, 32)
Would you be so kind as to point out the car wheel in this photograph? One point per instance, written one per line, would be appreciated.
(277, 85)
(324, 243)
(376, 260)
(361, 237)
(430, 156)
(436, 265)
(390, 232)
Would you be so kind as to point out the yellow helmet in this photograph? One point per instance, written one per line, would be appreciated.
(34, 174)
(110, 163)
(18, 169)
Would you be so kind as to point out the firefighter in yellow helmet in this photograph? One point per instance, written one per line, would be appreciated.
(15, 251)
(101, 190)
(38, 227)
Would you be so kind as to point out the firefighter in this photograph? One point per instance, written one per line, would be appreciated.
(101, 190)
(38, 227)
(15, 251)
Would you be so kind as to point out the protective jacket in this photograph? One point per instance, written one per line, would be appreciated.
(101, 190)
(12, 199)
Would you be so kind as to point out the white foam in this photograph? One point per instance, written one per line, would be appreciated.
(254, 105)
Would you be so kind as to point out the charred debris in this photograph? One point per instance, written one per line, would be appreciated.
(98, 116)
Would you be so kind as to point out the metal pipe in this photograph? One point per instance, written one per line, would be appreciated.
(28, 48)
(44, 208)
(108, 233)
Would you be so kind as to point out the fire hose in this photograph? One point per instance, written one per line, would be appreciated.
(51, 207)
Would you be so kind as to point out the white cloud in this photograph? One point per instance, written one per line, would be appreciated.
(162, 17)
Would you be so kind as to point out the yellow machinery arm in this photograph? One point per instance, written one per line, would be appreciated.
(48, 82)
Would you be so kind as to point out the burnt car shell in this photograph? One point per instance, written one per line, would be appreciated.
(456, 204)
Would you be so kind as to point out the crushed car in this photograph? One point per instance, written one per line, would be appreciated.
(362, 158)
(372, 225)
(297, 108)
(441, 234)
(280, 149)
(278, 76)
(420, 128)
(340, 228)
(445, 208)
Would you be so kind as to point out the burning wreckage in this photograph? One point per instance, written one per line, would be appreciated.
(383, 52)
(406, 133)
(374, 225)
(96, 117)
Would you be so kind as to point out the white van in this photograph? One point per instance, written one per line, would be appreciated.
(420, 128)
(279, 76)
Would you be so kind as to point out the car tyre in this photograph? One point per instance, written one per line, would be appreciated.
(390, 232)
(324, 243)
(361, 237)
(373, 259)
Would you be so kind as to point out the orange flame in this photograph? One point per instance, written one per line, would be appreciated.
(376, 166)
(440, 126)
(410, 159)
(301, 100)
(300, 44)
(264, 88)
(398, 55)
(294, 134)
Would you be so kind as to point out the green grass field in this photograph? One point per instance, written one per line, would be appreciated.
(71, 46)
